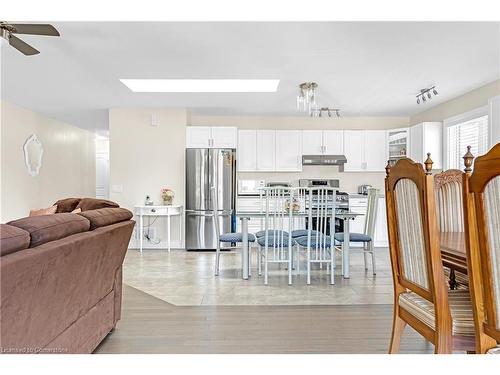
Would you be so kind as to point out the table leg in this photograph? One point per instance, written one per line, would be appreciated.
(345, 249)
(181, 221)
(168, 232)
(245, 251)
(140, 233)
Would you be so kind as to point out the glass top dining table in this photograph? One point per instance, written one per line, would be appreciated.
(245, 216)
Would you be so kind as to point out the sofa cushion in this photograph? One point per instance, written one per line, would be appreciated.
(106, 216)
(46, 228)
(13, 239)
(67, 204)
(95, 204)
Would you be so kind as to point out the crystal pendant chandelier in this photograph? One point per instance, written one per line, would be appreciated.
(306, 99)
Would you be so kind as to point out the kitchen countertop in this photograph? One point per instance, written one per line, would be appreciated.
(357, 195)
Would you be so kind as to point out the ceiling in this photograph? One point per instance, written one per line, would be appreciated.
(363, 68)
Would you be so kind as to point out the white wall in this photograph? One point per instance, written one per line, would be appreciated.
(144, 159)
(68, 166)
(349, 181)
(494, 119)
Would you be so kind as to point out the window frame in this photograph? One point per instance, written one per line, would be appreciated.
(458, 119)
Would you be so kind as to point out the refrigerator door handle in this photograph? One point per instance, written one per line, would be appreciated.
(195, 213)
(208, 213)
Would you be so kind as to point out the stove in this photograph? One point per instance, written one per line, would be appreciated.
(341, 198)
(341, 202)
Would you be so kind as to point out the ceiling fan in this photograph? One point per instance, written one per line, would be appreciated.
(8, 29)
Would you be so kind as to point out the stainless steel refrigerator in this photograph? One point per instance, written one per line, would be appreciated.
(208, 172)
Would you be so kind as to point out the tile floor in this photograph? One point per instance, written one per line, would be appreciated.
(186, 279)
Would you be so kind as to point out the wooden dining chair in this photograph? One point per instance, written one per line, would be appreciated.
(482, 233)
(450, 213)
(421, 297)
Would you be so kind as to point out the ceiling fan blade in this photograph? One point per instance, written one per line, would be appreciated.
(34, 29)
(22, 46)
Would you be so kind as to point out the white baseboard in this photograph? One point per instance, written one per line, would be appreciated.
(134, 244)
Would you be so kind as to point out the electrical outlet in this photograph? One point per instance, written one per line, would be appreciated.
(146, 232)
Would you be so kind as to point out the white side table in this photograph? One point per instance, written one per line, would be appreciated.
(165, 211)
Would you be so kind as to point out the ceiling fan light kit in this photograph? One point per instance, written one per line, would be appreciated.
(7, 31)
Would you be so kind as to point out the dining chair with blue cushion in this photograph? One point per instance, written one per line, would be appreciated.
(226, 237)
(276, 245)
(320, 209)
(369, 230)
(270, 232)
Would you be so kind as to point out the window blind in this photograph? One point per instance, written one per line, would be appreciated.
(472, 133)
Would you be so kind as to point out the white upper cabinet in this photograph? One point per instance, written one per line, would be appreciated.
(322, 142)
(266, 150)
(333, 142)
(354, 143)
(211, 137)
(375, 150)
(198, 137)
(247, 151)
(427, 137)
(312, 142)
(288, 150)
(365, 150)
(224, 137)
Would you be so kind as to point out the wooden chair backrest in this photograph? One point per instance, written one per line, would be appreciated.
(482, 212)
(449, 202)
(413, 235)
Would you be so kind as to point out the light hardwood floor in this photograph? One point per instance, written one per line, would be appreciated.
(151, 325)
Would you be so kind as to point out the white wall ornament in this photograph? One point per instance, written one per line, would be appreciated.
(33, 152)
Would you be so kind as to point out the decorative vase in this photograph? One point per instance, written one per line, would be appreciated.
(167, 201)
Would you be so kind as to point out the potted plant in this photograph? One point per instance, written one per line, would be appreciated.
(167, 195)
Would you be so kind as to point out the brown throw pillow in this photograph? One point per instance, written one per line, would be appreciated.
(67, 204)
(94, 204)
(43, 211)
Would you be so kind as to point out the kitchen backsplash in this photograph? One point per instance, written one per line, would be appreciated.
(349, 181)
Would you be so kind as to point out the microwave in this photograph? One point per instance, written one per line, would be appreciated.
(250, 187)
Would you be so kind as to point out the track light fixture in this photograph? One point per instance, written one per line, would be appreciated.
(326, 112)
(421, 97)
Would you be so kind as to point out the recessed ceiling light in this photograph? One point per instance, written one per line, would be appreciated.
(201, 85)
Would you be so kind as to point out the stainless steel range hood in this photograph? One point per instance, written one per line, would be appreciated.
(339, 160)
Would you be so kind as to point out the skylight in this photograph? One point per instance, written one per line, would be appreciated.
(201, 85)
